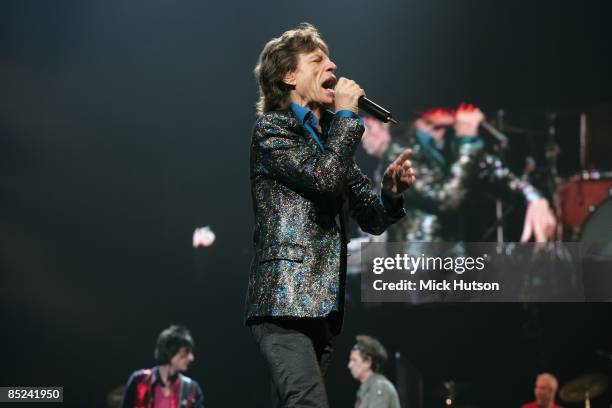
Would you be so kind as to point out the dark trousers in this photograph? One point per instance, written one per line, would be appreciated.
(298, 353)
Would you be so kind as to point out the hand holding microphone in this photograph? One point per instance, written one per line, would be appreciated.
(349, 95)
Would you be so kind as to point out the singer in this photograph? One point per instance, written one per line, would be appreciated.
(302, 177)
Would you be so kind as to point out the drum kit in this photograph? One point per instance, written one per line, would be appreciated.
(585, 207)
(576, 173)
(583, 204)
(580, 142)
(577, 392)
(573, 167)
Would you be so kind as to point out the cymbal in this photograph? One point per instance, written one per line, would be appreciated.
(575, 390)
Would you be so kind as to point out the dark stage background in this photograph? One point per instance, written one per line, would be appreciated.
(125, 125)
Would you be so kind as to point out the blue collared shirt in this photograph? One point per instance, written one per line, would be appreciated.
(309, 120)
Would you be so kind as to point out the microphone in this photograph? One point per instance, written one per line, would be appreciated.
(375, 110)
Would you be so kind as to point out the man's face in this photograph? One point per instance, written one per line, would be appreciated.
(181, 360)
(358, 365)
(313, 80)
(544, 392)
(376, 137)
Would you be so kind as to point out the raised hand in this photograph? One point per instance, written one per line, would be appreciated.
(467, 119)
(539, 222)
(399, 175)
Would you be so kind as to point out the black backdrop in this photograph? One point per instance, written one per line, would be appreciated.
(124, 125)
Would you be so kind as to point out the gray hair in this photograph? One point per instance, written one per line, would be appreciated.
(550, 378)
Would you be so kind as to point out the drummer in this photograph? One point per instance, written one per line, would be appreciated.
(545, 390)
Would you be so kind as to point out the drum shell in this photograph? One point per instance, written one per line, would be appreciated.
(579, 198)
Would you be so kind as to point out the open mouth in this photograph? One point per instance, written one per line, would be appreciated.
(329, 84)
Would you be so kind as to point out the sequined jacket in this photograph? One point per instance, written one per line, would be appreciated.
(444, 177)
(298, 193)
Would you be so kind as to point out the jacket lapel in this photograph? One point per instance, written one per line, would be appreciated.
(301, 130)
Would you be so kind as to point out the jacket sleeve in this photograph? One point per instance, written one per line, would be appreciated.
(129, 395)
(438, 190)
(494, 172)
(199, 396)
(284, 155)
(373, 213)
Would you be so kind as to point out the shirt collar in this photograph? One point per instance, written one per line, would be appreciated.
(156, 377)
(301, 112)
(305, 115)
